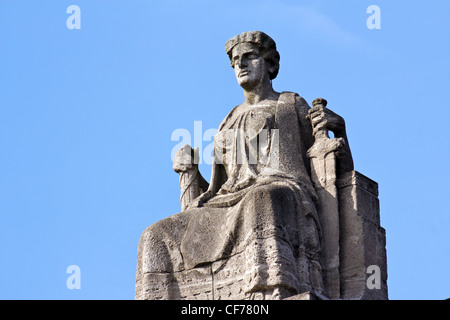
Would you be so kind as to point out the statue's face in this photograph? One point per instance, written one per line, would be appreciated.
(249, 66)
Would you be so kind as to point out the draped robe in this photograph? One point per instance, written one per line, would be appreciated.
(259, 235)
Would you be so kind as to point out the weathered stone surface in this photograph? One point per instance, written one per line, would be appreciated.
(283, 210)
(195, 284)
(304, 296)
(362, 239)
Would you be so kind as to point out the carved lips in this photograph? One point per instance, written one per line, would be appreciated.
(243, 73)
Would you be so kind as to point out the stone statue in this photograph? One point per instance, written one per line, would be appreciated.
(267, 226)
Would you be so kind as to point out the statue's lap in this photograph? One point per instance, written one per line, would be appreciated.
(228, 241)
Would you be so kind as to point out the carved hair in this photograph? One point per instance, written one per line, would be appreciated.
(265, 44)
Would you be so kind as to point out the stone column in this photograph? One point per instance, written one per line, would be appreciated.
(362, 239)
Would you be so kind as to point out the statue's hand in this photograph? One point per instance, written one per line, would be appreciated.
(322, 117)
(185, 159)
(198, 202)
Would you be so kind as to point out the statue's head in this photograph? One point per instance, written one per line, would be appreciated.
(253, 55)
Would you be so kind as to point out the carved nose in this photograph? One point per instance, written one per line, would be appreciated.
(241, 62)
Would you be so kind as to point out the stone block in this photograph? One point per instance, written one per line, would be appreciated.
(304, 296)
(362, 239)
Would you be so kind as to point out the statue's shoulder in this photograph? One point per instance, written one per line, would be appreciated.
(296, 100)
(228, 116)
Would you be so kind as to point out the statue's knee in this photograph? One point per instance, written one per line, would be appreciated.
(155, 257)
(272, 193)
(160, 244)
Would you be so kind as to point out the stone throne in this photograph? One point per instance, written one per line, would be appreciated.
(273, 238)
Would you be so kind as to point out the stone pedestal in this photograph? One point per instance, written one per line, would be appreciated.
(304, 296)
(362, 239)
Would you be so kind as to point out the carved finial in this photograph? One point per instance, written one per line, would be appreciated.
(319, 101)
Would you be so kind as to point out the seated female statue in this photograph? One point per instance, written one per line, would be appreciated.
(255, 232)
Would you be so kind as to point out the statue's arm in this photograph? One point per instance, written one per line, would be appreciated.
(217, 179)
(214, 185)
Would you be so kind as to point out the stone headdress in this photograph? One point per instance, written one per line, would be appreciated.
(265, 44)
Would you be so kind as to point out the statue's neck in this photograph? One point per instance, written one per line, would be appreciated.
(256, 95)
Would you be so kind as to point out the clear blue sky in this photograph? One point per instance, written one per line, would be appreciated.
(86, 118)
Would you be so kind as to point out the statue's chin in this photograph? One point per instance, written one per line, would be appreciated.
(246, 83)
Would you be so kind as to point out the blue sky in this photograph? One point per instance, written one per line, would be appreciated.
(86, 119)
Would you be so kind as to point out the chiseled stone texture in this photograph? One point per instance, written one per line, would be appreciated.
(362, 239)
(304, 296)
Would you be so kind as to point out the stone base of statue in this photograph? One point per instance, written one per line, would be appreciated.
(307, 296)
(362, 239)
